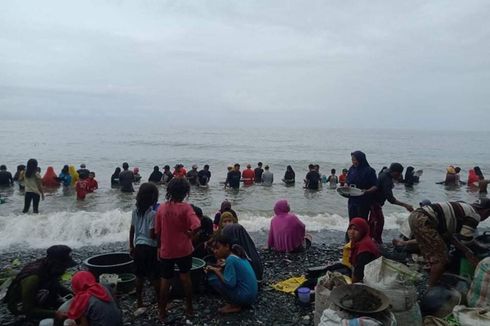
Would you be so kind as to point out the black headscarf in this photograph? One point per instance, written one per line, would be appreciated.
(239, 236)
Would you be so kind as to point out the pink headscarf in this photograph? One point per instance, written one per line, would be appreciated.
(287, 232)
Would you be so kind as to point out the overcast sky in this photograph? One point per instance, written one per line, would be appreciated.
(394, 64)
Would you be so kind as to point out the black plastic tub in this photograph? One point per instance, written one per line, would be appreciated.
(112, 263)
(197, 277)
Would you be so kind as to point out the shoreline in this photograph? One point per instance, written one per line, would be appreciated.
(271, 308)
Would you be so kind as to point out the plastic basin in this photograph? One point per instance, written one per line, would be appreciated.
(111, 263)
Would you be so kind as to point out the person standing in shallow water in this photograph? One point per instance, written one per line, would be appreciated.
(248, 176)
(289, 176)
(6, 179)
(33, 186)
(233, 177)
(362, 176)
(267, 177)
(258, 173)
(126, 179)
(383, 191)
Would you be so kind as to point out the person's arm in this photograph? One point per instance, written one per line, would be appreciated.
(465, 250)
(228, 277)
(362, 260)
(11, 179)
(131, 240)
(389, 196)
(39, 185)
(270, 239)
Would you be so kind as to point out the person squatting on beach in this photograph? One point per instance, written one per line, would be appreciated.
(236, 282)
(287, 232)
(143, 245)
(36, 291)
(175, 225)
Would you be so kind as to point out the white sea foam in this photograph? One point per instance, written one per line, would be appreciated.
(94, 228)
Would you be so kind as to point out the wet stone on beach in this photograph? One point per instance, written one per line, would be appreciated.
(272, 307)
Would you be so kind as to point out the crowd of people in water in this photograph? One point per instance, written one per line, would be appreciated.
(168, 234)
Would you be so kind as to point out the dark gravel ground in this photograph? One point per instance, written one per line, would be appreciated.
(271, 308)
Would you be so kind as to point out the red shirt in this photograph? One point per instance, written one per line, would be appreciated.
(342, 179)
(250, 175)
(180, 173)
(92, 185)
(173, 223)
(81, 188)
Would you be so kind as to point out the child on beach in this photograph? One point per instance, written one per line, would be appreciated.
(175, 224)
(236, 282)
(343, 177)
(142, 240)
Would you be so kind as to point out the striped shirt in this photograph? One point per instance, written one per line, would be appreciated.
(454, 217)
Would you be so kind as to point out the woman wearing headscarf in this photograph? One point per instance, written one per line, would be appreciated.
(287, 232)
(115, 177)
(50, 179)
(289, 176)
(93, 303)
(36, 290)
(65, 176)
(240, 236)
(74, 175)
(410, 177)
(362, 176)
(225, 207)
(363, 249)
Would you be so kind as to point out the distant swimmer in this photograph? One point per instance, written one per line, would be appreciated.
(204, 176)
(233, 177)
(313, 178)
(258, 173)
(192, 175)
(6, 179)
(289, 176)
(267, 177)
(248, 176)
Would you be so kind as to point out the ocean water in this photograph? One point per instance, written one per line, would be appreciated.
(105, 215)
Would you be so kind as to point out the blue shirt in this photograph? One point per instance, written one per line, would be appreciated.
(142, 226)
(65, 179)
(240, 277)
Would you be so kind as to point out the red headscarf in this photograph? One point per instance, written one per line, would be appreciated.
(85, 286)
(366, 244)
(49, 178)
